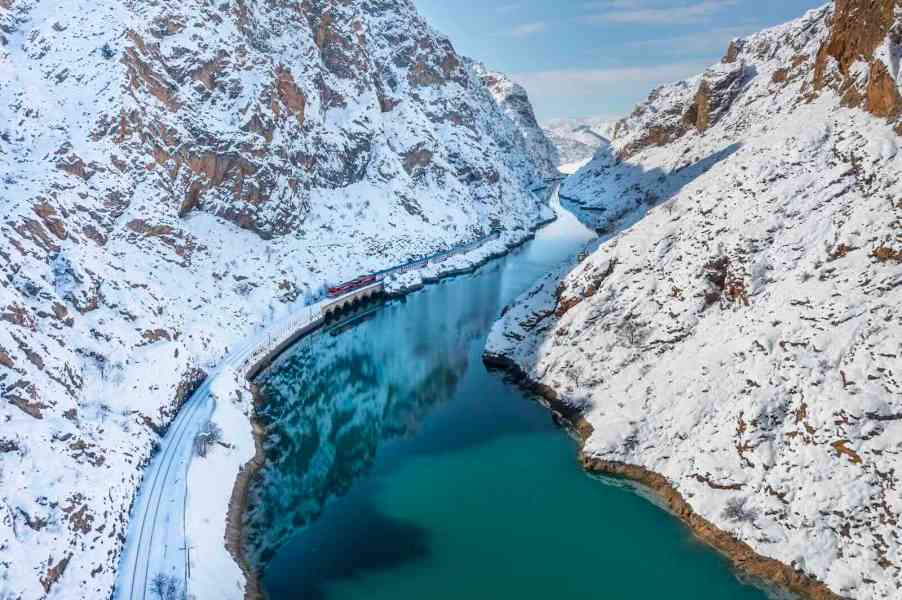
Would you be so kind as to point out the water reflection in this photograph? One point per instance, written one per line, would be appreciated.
(337, 396)
(397, 468)
(335, 399)
(370, 541)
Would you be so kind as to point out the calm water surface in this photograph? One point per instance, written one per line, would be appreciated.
(399, 468)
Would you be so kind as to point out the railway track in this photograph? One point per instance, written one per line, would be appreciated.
(156, 541)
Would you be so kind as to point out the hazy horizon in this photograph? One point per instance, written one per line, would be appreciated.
(600, 58)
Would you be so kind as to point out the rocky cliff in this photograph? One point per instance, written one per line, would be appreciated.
(177, 174)
(735, 341)
(514, 100)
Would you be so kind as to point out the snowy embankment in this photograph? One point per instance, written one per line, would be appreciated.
(209, 482)
(178, 177)
(214, 573)
(173, 510)
(736, 345)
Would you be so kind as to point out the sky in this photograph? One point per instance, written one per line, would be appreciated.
(582, 58)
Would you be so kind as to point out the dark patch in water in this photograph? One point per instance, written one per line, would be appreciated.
(346, 548)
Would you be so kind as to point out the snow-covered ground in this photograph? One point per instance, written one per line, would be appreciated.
(179, 521)
(739, 333)
(209, 485)
(577, 140)
(573, 167)
(179, 176)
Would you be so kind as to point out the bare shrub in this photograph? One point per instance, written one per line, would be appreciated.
(724, 282)
(631, 332)
(736, 511)
(211, 434)
(166, 587)
(244, 289)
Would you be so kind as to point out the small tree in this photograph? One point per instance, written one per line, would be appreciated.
(172, 589)
(211, 434)
(166, 587)
(736, 511)
(158, 585)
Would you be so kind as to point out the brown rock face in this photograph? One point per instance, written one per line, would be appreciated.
(882, 96)
(732, 53)
(417, 159)
(51, 219)
(859, 28)
(290, 95)
(54, 572)
(5, 360)
(699, 114)
(719, 88)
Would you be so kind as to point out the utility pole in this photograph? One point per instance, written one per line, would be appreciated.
(187, 550)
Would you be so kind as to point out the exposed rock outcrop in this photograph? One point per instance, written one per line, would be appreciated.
(860, 59)
(742, 357)
(514, 100)
(696, 105)
(166, 167)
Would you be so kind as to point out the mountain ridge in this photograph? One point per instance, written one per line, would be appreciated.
(178, 176)
(734, 341)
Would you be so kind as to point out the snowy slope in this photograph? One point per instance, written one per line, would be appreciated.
(577, 140)
(739, 332)
(175, 175)
(513, 98)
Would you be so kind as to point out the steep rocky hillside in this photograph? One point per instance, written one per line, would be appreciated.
(577, 140)
(514, 100)
(177, 174)
(735, 343)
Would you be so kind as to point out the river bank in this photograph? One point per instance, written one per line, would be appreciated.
(768, 571)
(396, 286)
(399, 467)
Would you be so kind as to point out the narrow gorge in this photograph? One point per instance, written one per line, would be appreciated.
(704, 294)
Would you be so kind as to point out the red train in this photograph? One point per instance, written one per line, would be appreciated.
(350, 286)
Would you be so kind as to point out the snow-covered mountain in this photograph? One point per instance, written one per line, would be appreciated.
(577, 140)
(736, 343)
(175, 175)
(512, 97)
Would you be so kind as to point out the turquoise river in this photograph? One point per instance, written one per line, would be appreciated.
(399, 468)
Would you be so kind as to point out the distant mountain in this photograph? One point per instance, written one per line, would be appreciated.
(577, 140)
(513, 98)
(735, 343)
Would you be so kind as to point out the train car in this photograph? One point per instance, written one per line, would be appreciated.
(350, 286)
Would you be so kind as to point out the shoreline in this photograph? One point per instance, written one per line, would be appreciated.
(234, 538)
(741, 556)
(234, 535)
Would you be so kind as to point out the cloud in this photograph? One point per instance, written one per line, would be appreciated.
(619, 12)
(571, 83)
(529, 29)
(508, 8)
(714, 40)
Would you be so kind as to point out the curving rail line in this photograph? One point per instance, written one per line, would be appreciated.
(156, 541)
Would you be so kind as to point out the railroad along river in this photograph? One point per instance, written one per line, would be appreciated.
(399, 468)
